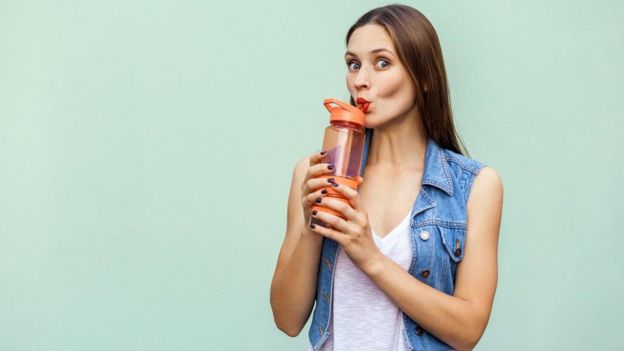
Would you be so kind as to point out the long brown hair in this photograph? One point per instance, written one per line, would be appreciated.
(419, 50)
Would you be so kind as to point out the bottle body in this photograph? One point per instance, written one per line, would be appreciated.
(344, 143)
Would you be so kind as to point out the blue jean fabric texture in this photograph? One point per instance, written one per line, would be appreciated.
(438, 234)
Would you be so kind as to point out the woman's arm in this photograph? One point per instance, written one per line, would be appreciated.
(458, 320)
(294, 281)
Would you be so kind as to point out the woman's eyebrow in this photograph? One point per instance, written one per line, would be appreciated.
(349, 53)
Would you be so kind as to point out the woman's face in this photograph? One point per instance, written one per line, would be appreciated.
(376, 74)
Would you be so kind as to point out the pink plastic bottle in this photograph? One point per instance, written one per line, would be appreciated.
(344, 143)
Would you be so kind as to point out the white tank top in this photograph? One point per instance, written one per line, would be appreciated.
(363, 317)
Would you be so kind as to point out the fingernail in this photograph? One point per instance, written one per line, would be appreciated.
(323, 152)
(323, 191)
(312, 225)
(330, 180)
(314, 212)
(330, 167)
(318, 200)
(335, 185)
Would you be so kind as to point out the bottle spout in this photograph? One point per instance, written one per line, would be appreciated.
(332, 104)
(343, 111)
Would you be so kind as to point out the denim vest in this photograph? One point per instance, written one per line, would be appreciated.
(438, 233)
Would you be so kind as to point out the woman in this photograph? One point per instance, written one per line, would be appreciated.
(414, 266)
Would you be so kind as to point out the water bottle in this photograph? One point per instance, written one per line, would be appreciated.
(344, 142)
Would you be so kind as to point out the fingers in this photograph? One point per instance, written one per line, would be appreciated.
(335, 222)
(317, 157)
(320, 169)
(347, 211)
(310, 199)
(356, 212)
(315, 183)
(330, 233)
(316, 169)
(350, 194)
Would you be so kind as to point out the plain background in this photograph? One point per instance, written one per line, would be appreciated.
(147, 147)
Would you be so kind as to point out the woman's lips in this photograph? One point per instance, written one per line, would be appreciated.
(363, 104)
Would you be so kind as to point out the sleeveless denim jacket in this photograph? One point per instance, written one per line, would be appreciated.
(438, 234)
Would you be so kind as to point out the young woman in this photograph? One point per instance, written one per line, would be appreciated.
(414, 266)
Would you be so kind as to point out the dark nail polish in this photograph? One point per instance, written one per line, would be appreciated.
(312, 226)
(323, 191)
(335, 185)
(330, 167)
(323, 152)
(330, 180)
(314, 212)
(318, 200)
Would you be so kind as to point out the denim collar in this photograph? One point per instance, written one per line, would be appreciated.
(437, 171)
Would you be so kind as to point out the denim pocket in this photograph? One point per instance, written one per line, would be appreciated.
(453, 240)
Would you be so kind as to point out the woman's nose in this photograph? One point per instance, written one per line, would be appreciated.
(362, 79)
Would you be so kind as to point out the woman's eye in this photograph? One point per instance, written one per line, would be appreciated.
(353, 65)
(381, 62)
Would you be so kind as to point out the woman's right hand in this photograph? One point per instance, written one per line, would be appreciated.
(311, 187)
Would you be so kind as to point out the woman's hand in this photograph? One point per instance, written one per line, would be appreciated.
(353, 234)
(311, 187)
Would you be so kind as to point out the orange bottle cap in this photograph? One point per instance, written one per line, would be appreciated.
(343, 111)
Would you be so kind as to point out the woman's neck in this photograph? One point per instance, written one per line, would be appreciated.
(398, 146)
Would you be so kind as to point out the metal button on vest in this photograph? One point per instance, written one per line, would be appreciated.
(425, 235)
(425, 273)
(419, 331)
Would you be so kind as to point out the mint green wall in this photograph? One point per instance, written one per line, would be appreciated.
(147, 147)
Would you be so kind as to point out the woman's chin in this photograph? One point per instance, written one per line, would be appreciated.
(371, 121)
(378, 122)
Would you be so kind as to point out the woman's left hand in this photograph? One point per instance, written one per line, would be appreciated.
(353, 234)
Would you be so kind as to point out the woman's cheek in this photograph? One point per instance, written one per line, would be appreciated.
(389, 87)
(350, 86)
(398, 91)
